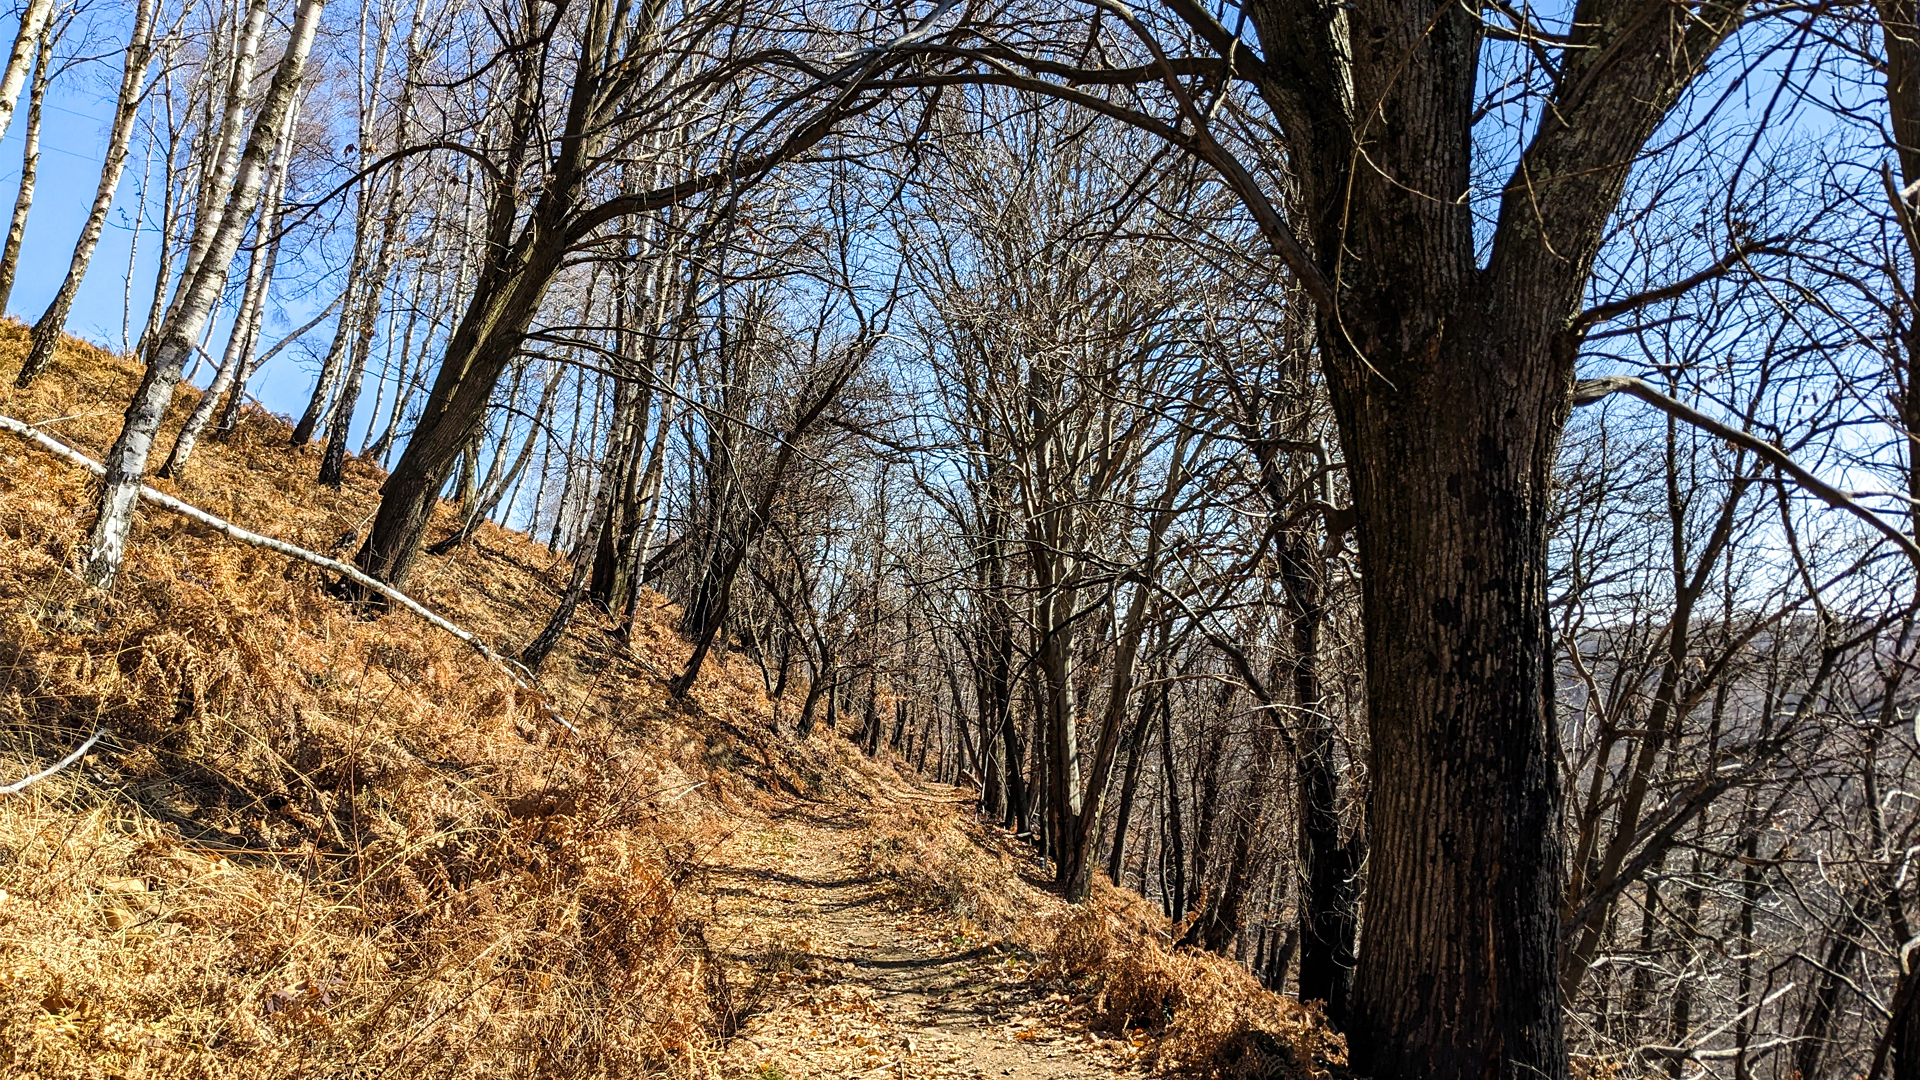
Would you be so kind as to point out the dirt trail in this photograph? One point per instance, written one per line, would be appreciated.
(841, 983)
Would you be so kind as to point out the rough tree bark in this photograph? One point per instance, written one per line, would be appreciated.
(1900, 36)
(1451, 382)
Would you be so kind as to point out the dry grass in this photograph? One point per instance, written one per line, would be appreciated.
(321, 845)
(1207, 1014)
(316, 842)
(936, 867)
(1201, 1013)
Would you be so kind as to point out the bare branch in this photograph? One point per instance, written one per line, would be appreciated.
(1588, 391)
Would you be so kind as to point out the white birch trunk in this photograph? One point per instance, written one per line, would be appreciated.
(126, 462)
(33, 22)
(46, 332)
(246, 323)
(225, 155)
(29, 166)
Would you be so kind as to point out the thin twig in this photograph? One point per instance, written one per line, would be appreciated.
(78, 753)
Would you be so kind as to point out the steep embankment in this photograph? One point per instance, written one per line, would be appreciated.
(314, 844)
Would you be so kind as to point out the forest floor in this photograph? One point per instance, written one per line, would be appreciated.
(310, 843)
(855, 986)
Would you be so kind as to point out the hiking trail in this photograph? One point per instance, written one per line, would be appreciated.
(849, 984)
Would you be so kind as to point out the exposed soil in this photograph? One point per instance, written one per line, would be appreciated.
(846, 983)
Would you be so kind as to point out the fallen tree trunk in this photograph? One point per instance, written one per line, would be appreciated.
(228, 529)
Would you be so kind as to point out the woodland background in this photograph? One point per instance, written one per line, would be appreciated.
(992, 432)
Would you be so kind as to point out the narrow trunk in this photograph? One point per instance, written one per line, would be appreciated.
(317, 411)
(471, 523)
(1080, 840)
(223, 428)
(126, 461)
(339, 424)
(820, 687)
(29, 165)
(713, 595)
(33, 25)
(223, 153)
(1175, 850)
(1329, 908)
(1129, 785)
(333, 460)
(403, 384)
(173, 192)
(1816, 1026)
(47, 330)
(542, 645)
(245, 334)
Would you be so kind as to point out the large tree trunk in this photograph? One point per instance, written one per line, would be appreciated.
(1451, 484)
(485, 342)
(1900, 36)
(1450, 379)
(515, 272)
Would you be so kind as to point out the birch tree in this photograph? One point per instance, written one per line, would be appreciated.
(26, 42)
(127, 459)
(244, 335)
(29, 163)
(52, 322)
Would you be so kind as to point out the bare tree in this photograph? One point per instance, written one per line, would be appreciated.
(47, 329)
(126, 461)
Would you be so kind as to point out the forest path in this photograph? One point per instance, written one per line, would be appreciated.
(834, 980)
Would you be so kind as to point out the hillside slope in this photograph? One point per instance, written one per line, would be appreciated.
(314, 844)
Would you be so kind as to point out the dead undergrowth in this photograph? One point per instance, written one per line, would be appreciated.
(1206, 1013)
(315, 844)
(1202, 1014)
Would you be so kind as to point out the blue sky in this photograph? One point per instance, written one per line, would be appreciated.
(73, 137)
